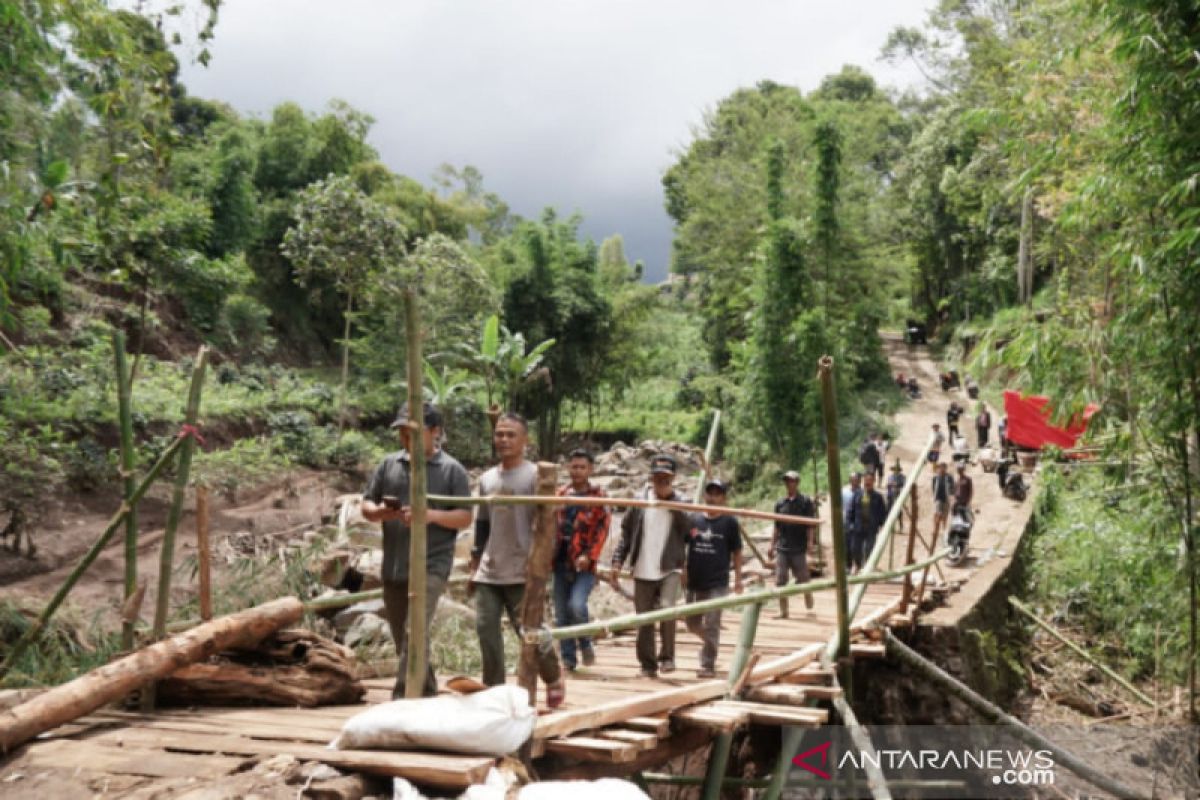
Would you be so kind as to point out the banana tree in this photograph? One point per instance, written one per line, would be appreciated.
(501, 361)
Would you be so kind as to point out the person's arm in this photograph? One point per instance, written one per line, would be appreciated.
(373, 508)
(483, 531)
(737, 571)
(599, 535)
(622, 548)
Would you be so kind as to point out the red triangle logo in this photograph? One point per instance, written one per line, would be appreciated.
(801, 760)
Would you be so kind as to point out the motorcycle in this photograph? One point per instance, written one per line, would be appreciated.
(959, 533)
(1015, 487)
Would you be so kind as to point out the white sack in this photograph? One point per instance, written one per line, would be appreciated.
(603, 789)
(494, 722)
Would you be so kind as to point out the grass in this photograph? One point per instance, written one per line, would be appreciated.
(1107, 560)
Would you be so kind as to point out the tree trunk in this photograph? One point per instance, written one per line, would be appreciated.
(345, 371)
(1025, 251)
(113, 681)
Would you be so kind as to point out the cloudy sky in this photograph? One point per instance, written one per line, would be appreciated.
(577, 104)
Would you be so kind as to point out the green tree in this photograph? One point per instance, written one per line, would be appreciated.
(344, 237)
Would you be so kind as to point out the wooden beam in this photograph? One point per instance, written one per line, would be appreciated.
(765, 713)
(203, 554)
(684, 741)
(113, 681)
(587, 748)
(659, 726)
(712, 719)
(862, 650)
(417, 657)
(643, 740)
(537, 577)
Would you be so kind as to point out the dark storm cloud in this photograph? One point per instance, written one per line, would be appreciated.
(573, 104)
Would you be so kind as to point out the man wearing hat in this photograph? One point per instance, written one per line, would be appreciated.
(653, 540)
(386, 500)
(714, 543)
(789, 541)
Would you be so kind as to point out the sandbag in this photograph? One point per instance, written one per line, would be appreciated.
(494, 722)
(497, 787)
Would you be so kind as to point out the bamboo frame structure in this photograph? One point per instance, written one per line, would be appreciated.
(618, 502)
(603, 628)
(203, 554)
(840, 643)
(876, 781)
(166, 563)
(418, 647)
(994, 714)
(35, 629)
(128, 464)
(537, 576)
(718, 760)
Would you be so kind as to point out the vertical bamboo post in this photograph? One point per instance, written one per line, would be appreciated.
(183, 468)
(834, 458)
(819, 563)
(792, 736)
(910, 554)
(203, 554)
(537, 576)
(125, 418)
(718, 759)
(418, 644)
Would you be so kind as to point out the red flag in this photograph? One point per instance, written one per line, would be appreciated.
(1029, 422)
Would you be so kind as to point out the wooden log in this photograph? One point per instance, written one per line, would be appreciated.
(586, 748)
(711, 719)
(778, 693)
(537, 577)
(113, 681)
(767, 714)
(682, 742)
(859, 650)
(288, 668)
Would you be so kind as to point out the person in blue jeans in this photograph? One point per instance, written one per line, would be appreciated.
(582, 531)
(868, 512)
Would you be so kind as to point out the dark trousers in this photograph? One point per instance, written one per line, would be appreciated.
(859, 545)
(492, 601)
(707, 625)
(395, 605)
(649, 596)
(982, 430)
(571, 592)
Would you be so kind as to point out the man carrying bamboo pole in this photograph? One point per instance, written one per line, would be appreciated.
(503, 537)
(789, 542)
(653, 540)
(385, 500)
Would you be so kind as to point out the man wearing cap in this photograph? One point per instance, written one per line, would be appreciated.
(714, 542)
(503, 537)
(654, 540)
(868, 512)
(582, 532)
(789, 541)
(386, 500)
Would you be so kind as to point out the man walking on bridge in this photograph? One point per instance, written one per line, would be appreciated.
(653, 540)
(714, 541)
(943, 492)
(789, 541)
(868, 512)
(582, 531)
(503, 537)
(386, 500)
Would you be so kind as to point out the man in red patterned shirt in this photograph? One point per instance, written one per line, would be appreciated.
(582, 531)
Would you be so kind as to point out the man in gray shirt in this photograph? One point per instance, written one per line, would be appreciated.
(503, 535)
(386, 500)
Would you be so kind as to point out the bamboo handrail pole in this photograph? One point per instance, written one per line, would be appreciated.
(876, 781)
(128, 479)
(1079, 651)
(627, 621)
(719, 756)
(618, 502)
(537, 577)
(418, 648)
(839, 644)
(910, 552)
(35, 629)
(889, 525)
(166, 562)
(994, 714)
(203, 554)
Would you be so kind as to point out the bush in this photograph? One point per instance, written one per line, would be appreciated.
(244, 327)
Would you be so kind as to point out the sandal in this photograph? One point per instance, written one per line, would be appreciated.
(556, 693)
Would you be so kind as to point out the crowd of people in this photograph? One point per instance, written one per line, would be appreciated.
(670, 552)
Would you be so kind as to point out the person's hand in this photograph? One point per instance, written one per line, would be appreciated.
(583, 564)
(405, 515)
(737, 586)
(771, 553)
(472, 565)
(613, 577)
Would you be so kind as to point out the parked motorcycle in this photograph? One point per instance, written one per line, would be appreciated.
(959, 534)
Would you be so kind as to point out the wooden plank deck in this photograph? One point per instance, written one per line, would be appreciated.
(219, 741)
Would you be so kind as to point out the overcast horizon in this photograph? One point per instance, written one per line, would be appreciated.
(581, 106)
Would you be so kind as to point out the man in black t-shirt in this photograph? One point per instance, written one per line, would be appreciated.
(789, 542)
(713, 543)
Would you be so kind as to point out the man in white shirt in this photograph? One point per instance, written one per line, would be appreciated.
(654, 541)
